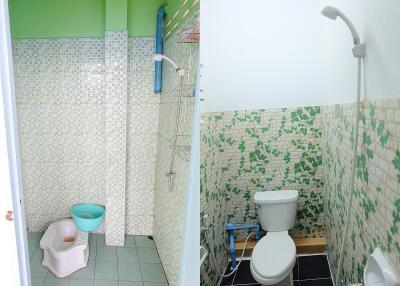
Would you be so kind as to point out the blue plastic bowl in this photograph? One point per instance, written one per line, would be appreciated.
(87, 217)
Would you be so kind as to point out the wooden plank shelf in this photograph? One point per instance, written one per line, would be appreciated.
(303, 245)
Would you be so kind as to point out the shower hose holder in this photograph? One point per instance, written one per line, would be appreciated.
(230, 228)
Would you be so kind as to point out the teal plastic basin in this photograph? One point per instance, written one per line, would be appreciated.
(87, 217)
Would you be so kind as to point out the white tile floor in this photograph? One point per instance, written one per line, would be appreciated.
(136, 264)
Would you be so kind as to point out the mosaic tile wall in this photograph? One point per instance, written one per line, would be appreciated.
(60, 91)
(169, 204)
(375, 217)
(115, 106)
(143, 106)
(244, 152)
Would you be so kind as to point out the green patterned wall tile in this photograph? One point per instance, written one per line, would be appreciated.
(375, 214)
(244, 152)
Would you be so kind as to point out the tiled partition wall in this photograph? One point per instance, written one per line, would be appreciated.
(243, 152)
(170, 203)
(375, 216)
(61, 105)
(115, 107)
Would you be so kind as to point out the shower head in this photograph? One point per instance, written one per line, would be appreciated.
(332, 13)
(160, 57)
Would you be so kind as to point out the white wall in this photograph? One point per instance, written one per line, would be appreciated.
(284, 53)
(378, 23)
(260, 53)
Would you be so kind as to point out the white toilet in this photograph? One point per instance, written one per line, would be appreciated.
(66, 248)
(274, 255)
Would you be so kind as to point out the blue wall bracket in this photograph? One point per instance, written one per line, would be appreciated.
(232, 250)
(159, 48)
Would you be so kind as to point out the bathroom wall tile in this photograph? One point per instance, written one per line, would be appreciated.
(61, 104)
(59, 90)
(116, 98)
(243, 152)
(168, 221)
(375, 211)
(143, 106)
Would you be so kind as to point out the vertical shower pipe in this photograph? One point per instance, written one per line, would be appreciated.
(159, 48)
(171, 173)
(353, 174)
(358, 52)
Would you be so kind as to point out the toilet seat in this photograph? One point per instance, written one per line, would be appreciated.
(273, 257)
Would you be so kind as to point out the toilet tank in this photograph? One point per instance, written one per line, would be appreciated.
(276, 209)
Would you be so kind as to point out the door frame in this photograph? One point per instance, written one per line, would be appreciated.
(190, 256)
(10, 118)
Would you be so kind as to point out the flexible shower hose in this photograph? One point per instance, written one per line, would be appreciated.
(237, 266)
(352, 179)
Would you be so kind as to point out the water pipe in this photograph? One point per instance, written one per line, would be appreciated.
(159, 48)
(232, 250)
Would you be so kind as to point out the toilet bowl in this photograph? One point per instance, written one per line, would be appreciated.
(66, 249)
(273, 259)
(274, 255)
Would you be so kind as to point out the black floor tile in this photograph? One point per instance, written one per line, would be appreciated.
(296, 283)
(296, 270)
(243, 275)
(228, 280)
(317, 282)
(313, 267)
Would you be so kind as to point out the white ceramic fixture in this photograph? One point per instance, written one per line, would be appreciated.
(274, 255)
(66, 249)
(378, 272)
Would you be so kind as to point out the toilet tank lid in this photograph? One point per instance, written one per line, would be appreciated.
(283, 196)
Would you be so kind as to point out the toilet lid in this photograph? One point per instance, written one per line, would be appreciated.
(273, 255)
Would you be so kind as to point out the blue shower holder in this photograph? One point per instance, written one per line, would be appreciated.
(232, 250)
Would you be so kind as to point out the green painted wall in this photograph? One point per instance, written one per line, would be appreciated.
(57, 18)
(139, 13)
(116, 15)
(81, 18)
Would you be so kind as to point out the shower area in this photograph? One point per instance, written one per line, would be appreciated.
(93, 129)
(290, 124)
